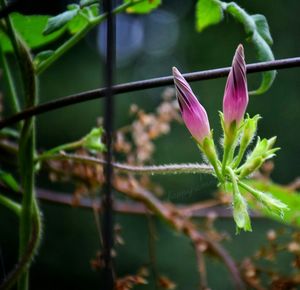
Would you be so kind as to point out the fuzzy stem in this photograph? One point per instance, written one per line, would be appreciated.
(69, 146)
(125, 168)
(234, 180)
(15, 106)
(12, 35)
(10, 204)
(240, 212)
(29, 252)
(78, 36)
(228, 143)
(240, 155)
(26, 160)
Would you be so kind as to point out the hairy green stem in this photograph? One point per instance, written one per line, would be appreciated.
(26, 160)
(15, 106)
(29, 252)
(225, 158)
(240, 155)
(10, 204)
(125, 168)
(78, 36)
(229, 148)
(234, 180)
(26, 153)
(240, 212)
(69, 146)
(12, 34)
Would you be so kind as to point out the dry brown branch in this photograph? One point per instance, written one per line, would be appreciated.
(176, 220)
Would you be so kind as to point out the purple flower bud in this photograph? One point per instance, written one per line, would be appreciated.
(236, 92)
(193, 113)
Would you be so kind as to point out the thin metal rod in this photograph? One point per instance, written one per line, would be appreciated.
(145, 84)
(108, 277)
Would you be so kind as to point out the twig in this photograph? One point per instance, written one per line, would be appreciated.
(95, 208)
(152, 248)
(188, 210)
(144, 84)
(129, 207)
(173, 217)
(201, 268)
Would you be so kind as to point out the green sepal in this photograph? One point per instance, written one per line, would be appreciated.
(272, 204)
(209, 149)
(262, 151)
(248, 130)
(252, 165)
(231, 139)
(264, 148)
(240, 213)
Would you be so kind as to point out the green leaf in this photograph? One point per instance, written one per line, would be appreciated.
(262, 27)
(87, 2)
(57, 22)
(9, 180)
(290, 198)
(30, 28)
(77, 23)
(73, 7)
(143, 7)
(257, 30)
(264, 53)
(42, 56)
(92, 10)
(208, 12)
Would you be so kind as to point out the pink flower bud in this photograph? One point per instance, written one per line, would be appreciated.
(236, 92)
(193, 113)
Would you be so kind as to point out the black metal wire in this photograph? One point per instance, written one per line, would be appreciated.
(108, 280)
(145, 84)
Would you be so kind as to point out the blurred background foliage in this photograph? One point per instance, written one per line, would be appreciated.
(148, 46)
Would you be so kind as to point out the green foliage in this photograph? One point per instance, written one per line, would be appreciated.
(82, 18)
(263, 27)
(42, 56)
(59, 21)
(143, 7)
(92, 141)
(9, 180)
(75, 18)
(88, 2)
(30, 28)
(208, 12)
(77, 23)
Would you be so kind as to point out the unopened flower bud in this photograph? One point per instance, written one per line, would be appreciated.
(193, 113)
(235, 99)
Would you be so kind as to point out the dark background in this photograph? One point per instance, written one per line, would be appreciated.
(148, 46)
